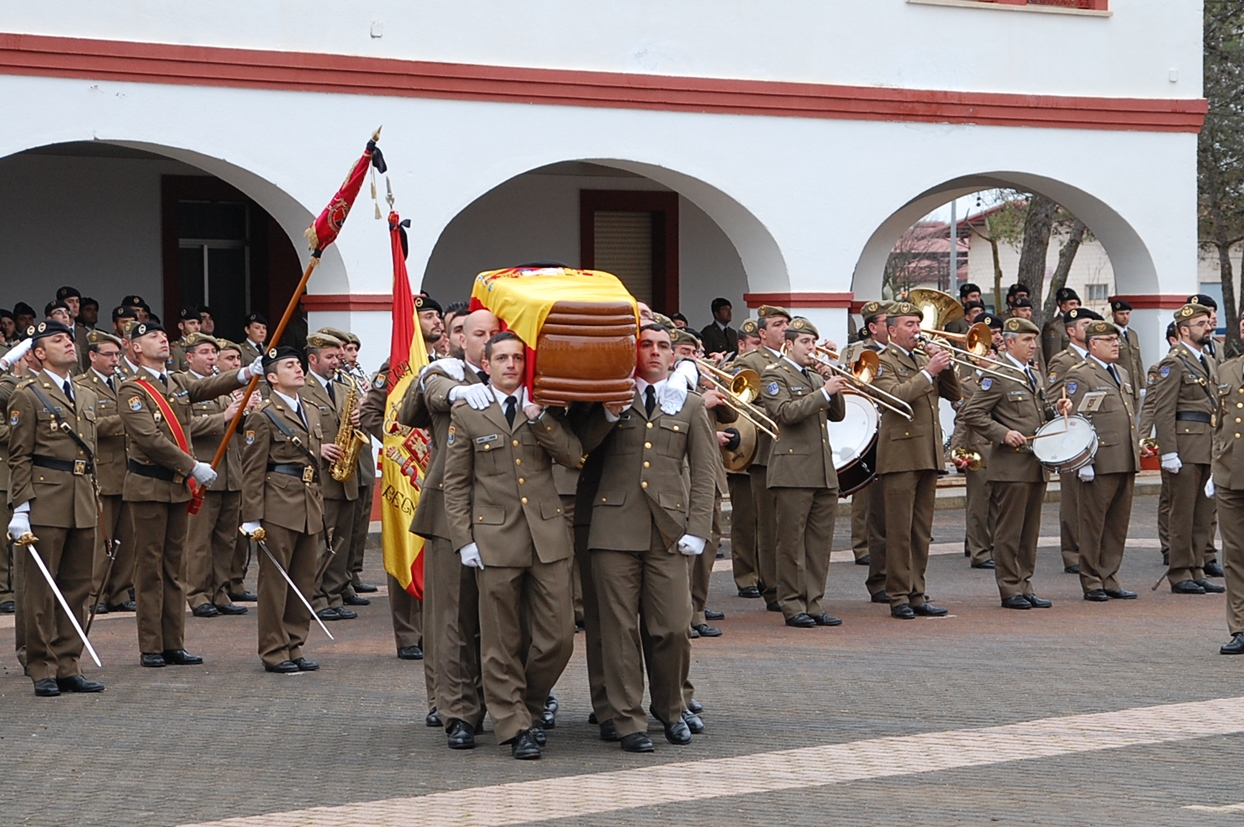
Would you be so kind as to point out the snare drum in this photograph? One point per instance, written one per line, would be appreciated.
(1065, 445)
(854, 443)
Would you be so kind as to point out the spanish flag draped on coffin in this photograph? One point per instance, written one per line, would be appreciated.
(579, 326)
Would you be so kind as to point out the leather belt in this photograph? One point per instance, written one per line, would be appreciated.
(306, 472)
(77, 467)
(1194, 416)
(155, 472)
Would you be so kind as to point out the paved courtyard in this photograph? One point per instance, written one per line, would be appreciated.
(1103, 714)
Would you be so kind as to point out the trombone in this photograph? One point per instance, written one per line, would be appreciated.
(740, 390)
(863, 371)
(977, 343)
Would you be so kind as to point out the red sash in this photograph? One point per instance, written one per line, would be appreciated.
(179, 436)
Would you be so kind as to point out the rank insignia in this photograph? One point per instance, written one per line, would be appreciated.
(986, 383)
(1071, 387)
(136, 404)
(1165, 370)
(13, 419)
(771, 388)
(250, 437)
(452, 431)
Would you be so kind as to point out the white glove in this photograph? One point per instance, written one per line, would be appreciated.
(1087, 474)
(478, 396)
(20, 524)
(203, 474)
(1209, 488)
(255, 368)
(19, 350)
(691, 545)
(1171, 463)
(470, 556)
(250, 527)
(686, 371)
(674, 393)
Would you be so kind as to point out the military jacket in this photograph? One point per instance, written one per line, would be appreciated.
(1054, 338)
(333, 417)
(1002, 405)
(1185, 405)
(292, 501)
(1114, 420)
(8, 383)
(802, 456)
(207, 425)
(759, 360)
(915, 445)
(1228, 450)
(110, 450)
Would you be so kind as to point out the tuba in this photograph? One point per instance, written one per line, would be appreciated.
(349, 440)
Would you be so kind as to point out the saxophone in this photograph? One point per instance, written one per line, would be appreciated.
(349, 440)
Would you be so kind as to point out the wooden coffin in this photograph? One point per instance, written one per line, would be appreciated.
(586, 353)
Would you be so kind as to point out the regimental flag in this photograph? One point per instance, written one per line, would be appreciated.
(329, 222)
(404, 458)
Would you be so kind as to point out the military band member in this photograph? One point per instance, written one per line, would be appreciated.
(230, 358)
(187, 324)
(981, 504)
(1185, 409)
(802, 394)
(1210, 562)
(366, 475)
(742, 504)
(1145, 429)
(1054, 337)
(1227, 486)
(867, 521)
(281, 495)
(155, 410)
(214, 530)
(51, 459)
(909, 455)
(1102, 392)
(646, 514)
(255, 333)
(1130, 357)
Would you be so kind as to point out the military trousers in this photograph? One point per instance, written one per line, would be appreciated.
(1231, 524)
(805, 519)
(120, 528)
(700, 568)
(909, 500)
(53, 648)
(1105, 513)
(213, 538)
(335, 564)
(982, 517)
(1069, 517)
(766, 532)
(451, 607)
(742, 531)
(358, 534)
(283, 619)
(1016, 535)
(873, 496)
(591, 626)
(160, 531)
(1189, 521)
(8, 577)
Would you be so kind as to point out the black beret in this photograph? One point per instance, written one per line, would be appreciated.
(67, 293)
(188, 313)
(203, 308)
(1066, 294)
(1076, 314)
(123, 312)
(21, 308)
(143, 328)
(974, 305)
(49, 327)
(1023, 301)
(255, 318)
(1119, 305)
(135, 301)
(1203, 300)
(968, 287)
(6, 314)
(427, 303)
(279, 354)
(50, 306)
(994, 322)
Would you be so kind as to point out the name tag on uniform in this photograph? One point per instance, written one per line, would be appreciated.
(1091, 402)
(1015, 396)
(480, 440)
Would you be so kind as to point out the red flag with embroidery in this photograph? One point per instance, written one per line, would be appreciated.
(329, 223)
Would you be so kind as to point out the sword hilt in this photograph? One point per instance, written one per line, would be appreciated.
(258, 535)
(26, 539)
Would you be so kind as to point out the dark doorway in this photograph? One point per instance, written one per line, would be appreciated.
(634, 235)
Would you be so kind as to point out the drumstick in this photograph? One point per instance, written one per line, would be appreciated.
(1066, 418)
(1040, 436)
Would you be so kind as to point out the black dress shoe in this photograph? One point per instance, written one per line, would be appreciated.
(460, 734)
(637, 742)
(988, 564)
(537, 732)
(1235, 646)
(773, 607)
(749, 591)
(8, 607)
(902, 611)
(678, 733)
(1120, 594)
(346, 614)
(1187, 587)
(929, 610)
(803, 620)
(410, 653)
(880, 597)
(692, 633)
(46, 688)
(1073, 569)
(1037, 602)
(285, 667)
(365, 588)
(180, 657)
(77, 683)
(694, 722)
(328, 614)
(1096, 596)
(231, 609)
(123, 606)
(827, 620)
(244, 597)
(707, 631)
(609, 731)
(1210, 588)
(695, 706)
(1213, 569)
(305, 665)
(355, 600)
(862, 561)
(1016, 601)
(548, 717)
(524, 747)
(205, 610)
(592, 719)
(433, 718)
(709, 614)
(1166, 558)
(151, 659)
(101, 609)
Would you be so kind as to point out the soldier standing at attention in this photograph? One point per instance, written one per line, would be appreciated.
(255, 331)
(1227, 487)
(743, 505)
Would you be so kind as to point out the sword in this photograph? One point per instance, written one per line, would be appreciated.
(28, 540)
(258, 537)
(96, 596)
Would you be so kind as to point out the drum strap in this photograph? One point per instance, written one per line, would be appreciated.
(1204, 385)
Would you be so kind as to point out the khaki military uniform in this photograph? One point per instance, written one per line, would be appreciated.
(743, 562)
(81, 347)
(1132, 361)
(585, 496)
(862, 529)
(1106, 502)
(8, 570)
(1054, 338)
(802, 475)
(1228, 471)
(281, 491)
(366, 476)
(1068, 484)
(981, 505)
(643, 506)
(500, 494)
(1144, 430)
(250, 353)
(52, 472)
(700, 567)
(339, 497)
(909, 455)
(177, 356)
(156, 489)
(763, 497)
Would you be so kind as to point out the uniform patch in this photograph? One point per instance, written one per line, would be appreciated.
(986, 383)
(13, 418)
(136, 404)
(771, 388)
(1071, 387)
(250, 437)
(1053, 377)
(452, 431)
(1165, 370)
(1153, 377)
(379, 383)
(879, 369)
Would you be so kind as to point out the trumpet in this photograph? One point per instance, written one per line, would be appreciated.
(861, 374)
(740, 391)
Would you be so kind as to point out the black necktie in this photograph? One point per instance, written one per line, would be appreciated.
(650, 400)
(1204, 363)
(331, 396)
(111, 387)
(804, 371)
(1032, 380)
(511, 407)
(69, 391)
(164, 380)
(483, 377)
(302, 417)
(1114, 374)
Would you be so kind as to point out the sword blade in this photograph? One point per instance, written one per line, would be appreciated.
(64, 604)
(294, 588)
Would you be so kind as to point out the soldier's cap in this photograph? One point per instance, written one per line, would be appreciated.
(1172, 331)
(1101, 328)
(203, 308)
(99, 337)
(48, 327)
(799, 326)
(1077, 313)
(279, 354)
(1015, 288)
(140, 329)
(128, 328)
(7, 314)
(683, 337)
(871, 310)
(21, 308)
(123, 311)
(225, 344)
(1022, 301)
(26, 332)
(323, 340)
(767, 310)
(1119, 305)
(974, 305)
(663, 320)
(188, 313)
(750, 327)
(994, 322)
(1066, 294)
(1017, 325)
(198, 338)
(905, 308)
(135, 301)
(968, 287)
(255, 318)
(56, 305)
(1203, 300)
(353, 339)
(1191, 311)
(423, 303)
(68, 292)
(336, 333)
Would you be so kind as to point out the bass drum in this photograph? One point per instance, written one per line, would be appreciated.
(854, 443)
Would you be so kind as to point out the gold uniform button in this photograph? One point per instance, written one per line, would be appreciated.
(647, 463)
(675, 427)
(481, 519)
(643, 484)
(521, 480)
(516, 443)
(647, 445)
(650, 424)
(604, 499)
(518, 462)
(487, 447)
(524, 500)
